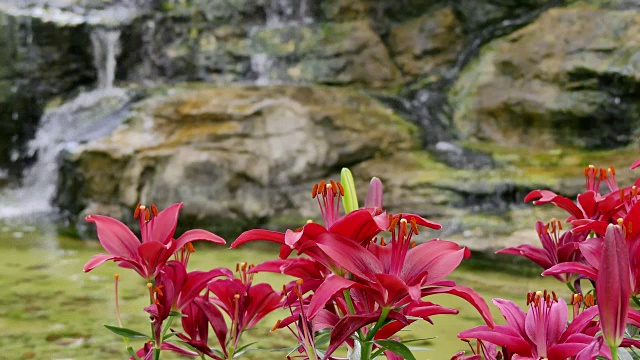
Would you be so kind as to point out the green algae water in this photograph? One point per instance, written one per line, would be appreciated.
(50, 309)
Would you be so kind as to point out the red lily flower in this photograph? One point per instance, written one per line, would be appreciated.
(244, 302)
(397, 274)
(174, 288)
(198, 315)
(540, 333)
(556, 248)
(148, 256)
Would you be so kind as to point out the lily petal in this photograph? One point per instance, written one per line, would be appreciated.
(162, 227)
(198, 234)
(115, 236)
(325, 291)
(615, 284)
(258, 234)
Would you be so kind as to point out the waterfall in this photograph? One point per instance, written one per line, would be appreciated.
(106, 47)
(89, 116)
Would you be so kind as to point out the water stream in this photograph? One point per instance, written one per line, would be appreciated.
(88, 116)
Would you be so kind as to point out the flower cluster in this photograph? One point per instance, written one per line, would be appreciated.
(601, 246)
(197, 297)
(361, 276)
(352, 282)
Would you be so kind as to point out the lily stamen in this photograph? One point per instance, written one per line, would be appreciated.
(329, 198)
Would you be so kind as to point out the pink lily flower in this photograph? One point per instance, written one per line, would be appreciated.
(556, 248)
(148, 256)
(540, 333)
(590, 204)
(613, 287)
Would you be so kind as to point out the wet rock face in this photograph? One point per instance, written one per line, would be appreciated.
(38, 60)
(329, 53)
(237, 156)
(425, 43)
(572, 86)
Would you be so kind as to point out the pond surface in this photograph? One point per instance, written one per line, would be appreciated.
(50, 309)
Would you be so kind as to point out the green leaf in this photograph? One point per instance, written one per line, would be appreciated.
(128, 333)
(322, 338)
(242, 349)
(177, 314)
(397, 348)
(350, 198)
(169, 335)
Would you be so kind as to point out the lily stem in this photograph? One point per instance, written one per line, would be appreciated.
(130, 348)
(573, 290)
(614, 352)
(365, 350)
(347, 298)
(378, 325)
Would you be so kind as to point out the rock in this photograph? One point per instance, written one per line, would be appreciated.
(575, 86)
(329, 53)
(345, 10)
(237, 156)
(430, 41)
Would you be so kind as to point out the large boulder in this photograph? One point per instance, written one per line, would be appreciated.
(571, 78)
(237, 156)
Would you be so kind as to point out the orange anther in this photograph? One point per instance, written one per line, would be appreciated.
(314, 191)
(341, 188)
(322, 188)
(588, 300)
(414, 226)
(393, 224)
(276, 326)
(612, 170)
(154, 210)
(147, 214)
(334, 186)
(117, 276)
(299, 281)
(190, 248)
(136, 212)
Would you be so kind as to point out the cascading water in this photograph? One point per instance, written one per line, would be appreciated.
(106, 47)
(89, 116)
